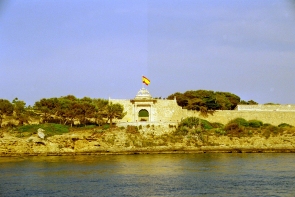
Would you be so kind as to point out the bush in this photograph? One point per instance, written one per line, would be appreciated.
(196, 131)
(105, 126)
(232, 126)
(193, 122)
(132, 129)
(240, 121)
(217, 125)
(206, 124)
(270, 129)
(234, 129)
(190, 122)
(255, 123)
(182, 130)
(285, 125)
(220, 131)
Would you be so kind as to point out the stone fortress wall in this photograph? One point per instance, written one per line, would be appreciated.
(273, 117)
(168, 112)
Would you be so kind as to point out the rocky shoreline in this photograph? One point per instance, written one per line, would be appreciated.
(197, 151)
(122, 142)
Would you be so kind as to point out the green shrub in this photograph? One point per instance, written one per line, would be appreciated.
(193, 122)
(220, 131)
(285, 125)
(197, 131)
(240, 121)
(190, 122)
(232, 126)
(140, 127)
(105, 126)
(234, 129)
(182, 130)
(132, 129)
(271, 129)
(255, 123)
(206, 124)
(217, 125)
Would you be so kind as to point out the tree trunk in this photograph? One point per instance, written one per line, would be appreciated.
(111, 122)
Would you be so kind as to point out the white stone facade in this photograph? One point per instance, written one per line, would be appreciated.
(159, 110)
(167, 112)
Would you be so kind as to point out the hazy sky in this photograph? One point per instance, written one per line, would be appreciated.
(101, 48)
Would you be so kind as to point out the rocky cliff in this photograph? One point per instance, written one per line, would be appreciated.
(122, 141)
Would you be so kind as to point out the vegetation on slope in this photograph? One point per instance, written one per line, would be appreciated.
(208, 100)
(237, 127)
(62, 110)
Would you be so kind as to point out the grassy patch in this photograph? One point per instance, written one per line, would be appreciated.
(50, 129)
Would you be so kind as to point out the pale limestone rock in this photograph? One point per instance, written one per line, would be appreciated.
(41, 133)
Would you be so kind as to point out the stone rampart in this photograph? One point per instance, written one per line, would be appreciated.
(271, 117)
(265, 108)
(168, 111)
(127, 108)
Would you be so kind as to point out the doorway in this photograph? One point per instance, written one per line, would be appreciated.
(143, 115)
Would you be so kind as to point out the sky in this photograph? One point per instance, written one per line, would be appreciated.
(101, 48)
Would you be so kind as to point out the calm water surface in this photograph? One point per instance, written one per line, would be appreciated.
(150, 175)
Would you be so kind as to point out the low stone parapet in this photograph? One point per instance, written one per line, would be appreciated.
(148, 124)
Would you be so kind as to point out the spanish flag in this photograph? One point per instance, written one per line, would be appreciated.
(145, 80)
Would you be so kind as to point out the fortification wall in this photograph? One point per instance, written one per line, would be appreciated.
(271, 117)
(266, 107)
(128, 107)
(167, 111)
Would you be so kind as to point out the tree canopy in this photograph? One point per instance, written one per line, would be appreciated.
(114, 111)
(20, 111)
(6, 109)
(202, 100)
(69, 108)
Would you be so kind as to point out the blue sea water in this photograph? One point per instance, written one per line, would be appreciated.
(214, 174)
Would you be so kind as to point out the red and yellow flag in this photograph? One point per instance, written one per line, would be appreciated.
(145, 80)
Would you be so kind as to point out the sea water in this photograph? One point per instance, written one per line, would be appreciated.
(214, 174)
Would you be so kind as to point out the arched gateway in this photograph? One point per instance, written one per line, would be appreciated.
(143, 115)
(144, 108)
(143, 105)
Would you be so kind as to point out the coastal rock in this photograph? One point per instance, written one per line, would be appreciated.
(123, 142)
(41, 133)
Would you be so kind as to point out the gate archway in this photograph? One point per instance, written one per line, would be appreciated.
(143, 115)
